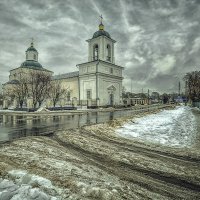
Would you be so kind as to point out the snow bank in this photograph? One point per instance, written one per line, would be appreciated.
(23, 186)
(27, 186)
(169, 127)
(24, 178)
(42, 109)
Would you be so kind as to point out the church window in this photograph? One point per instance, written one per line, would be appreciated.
(89, 94)
(108, 53)
(96, 52)
(111, 70)
(34, 56)
(68, 96)
(26, 56)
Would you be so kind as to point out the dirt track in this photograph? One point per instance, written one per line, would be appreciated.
(166, 172)
(94, 163)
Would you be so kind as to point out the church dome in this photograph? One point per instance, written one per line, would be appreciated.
(31, 64)
(101, 33)
(31, 48)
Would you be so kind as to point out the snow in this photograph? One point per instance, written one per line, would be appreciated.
(8, 111)
(42, 110)
(26, 186)
(30, 179)
(175, 128)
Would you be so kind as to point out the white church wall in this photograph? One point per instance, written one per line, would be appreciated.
(104, 84)
(110, 69)
(87, 83)
(87, 68)
(32, 55)
(72, 85)
(18, 73)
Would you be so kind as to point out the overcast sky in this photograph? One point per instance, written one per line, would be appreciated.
(158, 41)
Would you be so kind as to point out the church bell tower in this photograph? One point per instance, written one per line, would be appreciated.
(101, 46)
(100, 79)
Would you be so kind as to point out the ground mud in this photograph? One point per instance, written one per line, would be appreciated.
(94, 163)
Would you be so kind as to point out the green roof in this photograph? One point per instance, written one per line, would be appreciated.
(101, 33)
(31, 48)
(31, 64)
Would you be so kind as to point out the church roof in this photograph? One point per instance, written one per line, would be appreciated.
(67, 75)
(101, 33)
(13, 82)
(31, 49)
(31, 64)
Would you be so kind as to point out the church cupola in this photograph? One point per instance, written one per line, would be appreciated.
(101, 45)
(31, 58)
(101, 27)
(101, 32)
(32, 53)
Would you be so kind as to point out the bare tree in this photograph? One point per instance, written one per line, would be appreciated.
(1, 99)
(192, 80)
(57, 91)
(39, 86)
(18, 90)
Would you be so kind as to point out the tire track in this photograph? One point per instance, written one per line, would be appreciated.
(153, 181)
(144, 151)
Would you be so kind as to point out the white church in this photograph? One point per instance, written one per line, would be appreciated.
(98, 81)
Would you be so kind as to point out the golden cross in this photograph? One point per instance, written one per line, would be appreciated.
(101, 18)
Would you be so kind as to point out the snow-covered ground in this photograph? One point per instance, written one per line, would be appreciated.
(27, 186)
(176, 128)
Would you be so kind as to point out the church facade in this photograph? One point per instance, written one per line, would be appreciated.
(98, 82)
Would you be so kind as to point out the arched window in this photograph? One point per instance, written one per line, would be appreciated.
(96, 52)
(34, 56)
(108, 53)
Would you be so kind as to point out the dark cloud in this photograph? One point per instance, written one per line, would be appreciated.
(158, 41)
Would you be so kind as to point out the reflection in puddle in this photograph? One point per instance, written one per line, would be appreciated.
(16, 126)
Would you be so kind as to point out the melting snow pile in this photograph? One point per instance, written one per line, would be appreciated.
(169, 127)
(27, 186)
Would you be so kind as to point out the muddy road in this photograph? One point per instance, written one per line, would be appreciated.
(165, 172)
(93, 162)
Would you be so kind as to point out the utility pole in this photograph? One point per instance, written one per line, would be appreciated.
(179, 88)
(131, 85)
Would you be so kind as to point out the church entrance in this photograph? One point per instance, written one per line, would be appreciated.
(111, 92)
(111, 99)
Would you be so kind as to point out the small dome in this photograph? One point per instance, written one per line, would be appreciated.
(31, 49)
(101, 33)
(31, 64)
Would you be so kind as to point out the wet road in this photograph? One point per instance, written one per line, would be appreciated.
(15, 126)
